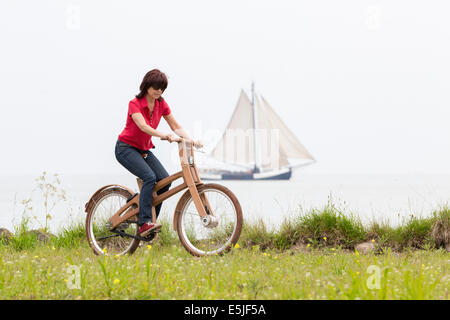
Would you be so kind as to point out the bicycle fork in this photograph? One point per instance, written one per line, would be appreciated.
(200, 200)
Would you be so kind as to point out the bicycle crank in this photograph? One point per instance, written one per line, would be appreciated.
(148, 238)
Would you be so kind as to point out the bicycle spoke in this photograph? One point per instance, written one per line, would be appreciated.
(101, 237)
(193, 213)
(214, 237)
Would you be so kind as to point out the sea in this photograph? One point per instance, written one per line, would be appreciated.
(386, 198)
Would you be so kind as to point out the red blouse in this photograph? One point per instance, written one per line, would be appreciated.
(135, 136)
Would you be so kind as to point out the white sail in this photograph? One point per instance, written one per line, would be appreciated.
(290, 146)
(237, 142)
(271, 154)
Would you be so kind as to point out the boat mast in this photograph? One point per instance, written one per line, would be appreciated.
(256, 169)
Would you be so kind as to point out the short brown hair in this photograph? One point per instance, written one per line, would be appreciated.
(155, 79)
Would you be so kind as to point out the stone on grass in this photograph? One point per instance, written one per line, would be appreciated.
(41, 236)
(5, 235)
(365, 247)
(300, 247)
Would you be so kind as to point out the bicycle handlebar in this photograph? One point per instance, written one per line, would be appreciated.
(180, 139)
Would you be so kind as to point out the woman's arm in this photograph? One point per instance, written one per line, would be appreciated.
(140, 122)
(179, 130)
(176, 127)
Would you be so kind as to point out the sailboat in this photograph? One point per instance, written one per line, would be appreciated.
(256, 145)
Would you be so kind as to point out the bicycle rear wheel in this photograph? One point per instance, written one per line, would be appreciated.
(202, 238)
(98, 233)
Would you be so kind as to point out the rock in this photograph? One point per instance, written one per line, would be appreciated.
(41, 236)
(366, 247)
(300, 247)
(5, 235)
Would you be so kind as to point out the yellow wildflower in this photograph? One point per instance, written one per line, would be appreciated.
(149, 247)
(116, 281)
(237, 246)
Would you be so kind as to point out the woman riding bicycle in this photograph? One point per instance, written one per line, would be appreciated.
(135, 141)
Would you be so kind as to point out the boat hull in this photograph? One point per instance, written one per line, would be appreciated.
(281, 175)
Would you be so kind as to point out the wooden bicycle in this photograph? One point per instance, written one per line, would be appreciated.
(207, 218)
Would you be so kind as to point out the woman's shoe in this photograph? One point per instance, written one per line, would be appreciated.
(147, 227)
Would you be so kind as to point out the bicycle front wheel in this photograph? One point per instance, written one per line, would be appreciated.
(215, 236)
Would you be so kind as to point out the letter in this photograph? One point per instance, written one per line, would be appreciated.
(73, 18)
(214, 310)
(238, 145)
(261, 308)
(73, 282)
(270, 147)
(231, 308)
(373, 282)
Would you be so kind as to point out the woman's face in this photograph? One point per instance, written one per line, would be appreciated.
(154, 93)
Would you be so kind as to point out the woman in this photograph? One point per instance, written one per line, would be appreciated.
(134, 143)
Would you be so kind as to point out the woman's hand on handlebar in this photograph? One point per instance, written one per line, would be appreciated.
(198, 144)
(170, 137)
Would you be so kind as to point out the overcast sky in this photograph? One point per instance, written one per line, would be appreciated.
(363, 84)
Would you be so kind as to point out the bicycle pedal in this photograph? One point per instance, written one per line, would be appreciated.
(150, 237)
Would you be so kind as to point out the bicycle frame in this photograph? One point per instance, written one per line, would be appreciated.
(191, 180)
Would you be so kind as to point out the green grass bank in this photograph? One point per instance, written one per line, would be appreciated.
(312, 256)
(328, 227)
(169, 272)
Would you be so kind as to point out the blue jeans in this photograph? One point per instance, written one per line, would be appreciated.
(150, 170)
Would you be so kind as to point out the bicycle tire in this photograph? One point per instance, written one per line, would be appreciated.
(181, 211)
(97, 200)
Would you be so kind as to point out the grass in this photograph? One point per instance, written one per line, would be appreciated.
(415, 233)
(327, 227)
(330, 227)
(411, 263)
(169, 272)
